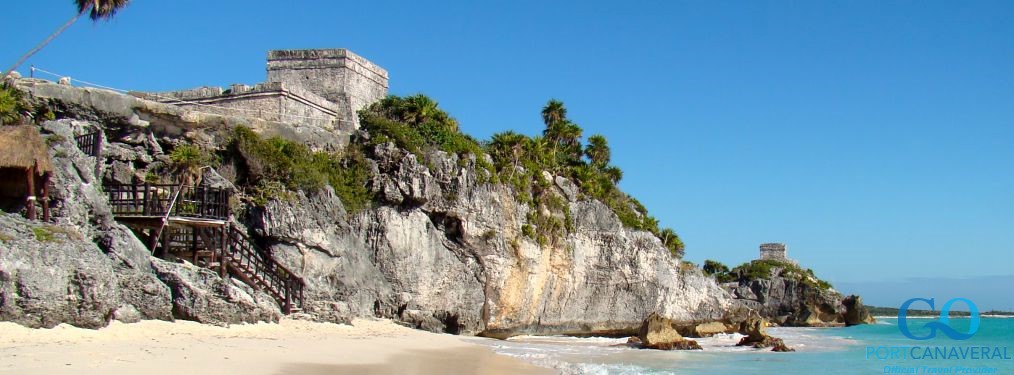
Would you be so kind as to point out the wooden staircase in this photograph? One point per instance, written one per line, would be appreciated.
(200, 232)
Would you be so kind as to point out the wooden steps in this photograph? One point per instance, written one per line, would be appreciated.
(194, 226)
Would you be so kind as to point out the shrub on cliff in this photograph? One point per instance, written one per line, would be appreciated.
(766, 269)
(275, 165)
(416, 124)
(11, 105)
(186, 161)
(520, 161)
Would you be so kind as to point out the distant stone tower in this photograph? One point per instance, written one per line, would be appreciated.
(338, 75)
(774, 251)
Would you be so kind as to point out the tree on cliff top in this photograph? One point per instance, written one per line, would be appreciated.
(96, 9)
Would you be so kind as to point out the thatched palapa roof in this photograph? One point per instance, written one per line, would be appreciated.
(21, 147)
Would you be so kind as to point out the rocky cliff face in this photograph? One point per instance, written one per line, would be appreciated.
(439, 250)
(445, 252)
(85, 269)
(789, 301)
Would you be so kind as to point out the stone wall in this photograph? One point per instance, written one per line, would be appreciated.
(273, 101)
(773, 251)
(338, 75)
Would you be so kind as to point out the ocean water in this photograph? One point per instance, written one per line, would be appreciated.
(818, 351)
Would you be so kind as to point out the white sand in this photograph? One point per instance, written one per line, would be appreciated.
(291, 347)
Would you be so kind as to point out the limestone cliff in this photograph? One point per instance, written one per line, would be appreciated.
(439, 249)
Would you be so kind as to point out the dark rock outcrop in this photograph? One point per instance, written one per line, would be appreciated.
(757, 337)
(855, 312)
(795, 300)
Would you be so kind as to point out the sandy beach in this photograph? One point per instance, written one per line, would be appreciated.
(290, 347)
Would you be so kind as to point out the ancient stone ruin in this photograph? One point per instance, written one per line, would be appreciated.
(323, 88)
(775, 251)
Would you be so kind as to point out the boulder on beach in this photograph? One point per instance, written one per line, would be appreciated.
(757, 337)
(657, 332)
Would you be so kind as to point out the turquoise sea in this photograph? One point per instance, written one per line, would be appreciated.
(819, 351)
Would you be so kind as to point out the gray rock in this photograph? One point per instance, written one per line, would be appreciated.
(122, 172)
(570, 191)
(49, 275)
(790, 302)
(199, 294)
(143, 292)
(127, 314)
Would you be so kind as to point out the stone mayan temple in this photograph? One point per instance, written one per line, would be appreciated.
(321, 87)
(775, 251)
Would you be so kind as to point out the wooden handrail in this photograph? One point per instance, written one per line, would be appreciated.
(239, 252)
(156, 200)
(277, 280)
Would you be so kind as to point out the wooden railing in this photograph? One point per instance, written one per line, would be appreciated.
(278, 281)
(238, 253)
(90, 143)
(156, 199)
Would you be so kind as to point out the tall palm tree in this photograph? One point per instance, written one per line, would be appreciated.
(553, 112)
(96, 9)
(598, 151)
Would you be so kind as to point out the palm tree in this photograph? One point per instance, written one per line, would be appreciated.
(419, 108)
(506, 148)
(553, 112)
(96, 9)
(598, 151)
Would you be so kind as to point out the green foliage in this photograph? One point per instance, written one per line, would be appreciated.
(520, 160)
(765, 269)
(186, 161)
(276, 166)
(417, 125)
(712, 267)
(42, 234)
(719, 270)
(597, 151)
(12, 105)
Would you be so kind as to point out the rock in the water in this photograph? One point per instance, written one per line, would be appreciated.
(780, 346)
(757, 337)
(855, 312)
(657, 332)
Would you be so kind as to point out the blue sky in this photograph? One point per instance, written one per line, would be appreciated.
(875, 138)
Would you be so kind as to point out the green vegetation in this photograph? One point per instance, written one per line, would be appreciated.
(186, 161)
(891, 311)
(48, 232)
(12, 105)
(42, 234)
(520, 161)
(275, 167)
(416, 124)
(717, 269)
(765, 269)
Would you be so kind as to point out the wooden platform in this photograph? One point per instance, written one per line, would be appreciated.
(192, 223)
